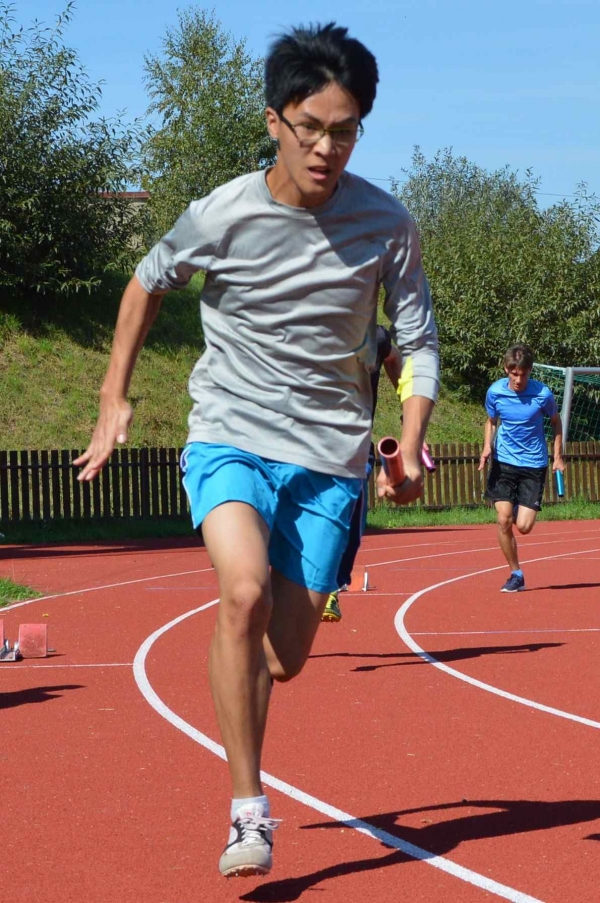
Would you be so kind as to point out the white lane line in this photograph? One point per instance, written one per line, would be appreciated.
(170, 589)
(369, 594)
(412, 644)
(22, 667)
(533, 630)
(493, 548)
(94, 589)
(312, 802)
(453, 542)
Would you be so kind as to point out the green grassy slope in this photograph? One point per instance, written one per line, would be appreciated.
(53, 357)
(452, 421)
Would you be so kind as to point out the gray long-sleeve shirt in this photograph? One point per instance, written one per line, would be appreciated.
(289, 315)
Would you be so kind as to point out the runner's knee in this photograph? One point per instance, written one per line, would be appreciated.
(245, 606)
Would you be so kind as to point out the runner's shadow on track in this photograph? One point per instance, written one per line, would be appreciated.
(509, 817)
(34, 694)
(566, 586)
(390, 531)
(444, 655)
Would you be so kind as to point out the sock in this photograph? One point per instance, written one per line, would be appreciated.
(519, 573)
(249, 801)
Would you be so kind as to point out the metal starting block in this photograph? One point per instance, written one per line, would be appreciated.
(32, 643)
(9, 655)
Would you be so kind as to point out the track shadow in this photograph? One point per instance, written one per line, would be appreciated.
(34, 694)
(99, 547)
(567, 586)
(444, 655)
(434, 839)
(389, 531)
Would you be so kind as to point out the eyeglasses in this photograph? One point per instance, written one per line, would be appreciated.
(309, 134)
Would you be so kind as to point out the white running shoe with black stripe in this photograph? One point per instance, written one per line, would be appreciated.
(250, 848)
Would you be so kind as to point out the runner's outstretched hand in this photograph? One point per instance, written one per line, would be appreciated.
(113, 423)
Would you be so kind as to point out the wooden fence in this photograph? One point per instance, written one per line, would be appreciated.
(457, 480)
(138, 483)
(146, 483)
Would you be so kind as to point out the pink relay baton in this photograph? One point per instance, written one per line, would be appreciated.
(391, 459)
(427, 459)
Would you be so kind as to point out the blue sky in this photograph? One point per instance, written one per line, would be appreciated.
(502, 83)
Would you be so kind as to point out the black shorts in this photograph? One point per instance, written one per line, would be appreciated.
(517, 485)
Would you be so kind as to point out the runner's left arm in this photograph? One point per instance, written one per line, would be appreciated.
(557, 431)
(408, 307)
(488, 440)
(393, 366)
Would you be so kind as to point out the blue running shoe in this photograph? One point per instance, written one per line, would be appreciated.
(514, 584)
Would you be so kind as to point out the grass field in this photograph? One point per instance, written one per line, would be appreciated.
(387, 517)
(13, 592)
(53, 359)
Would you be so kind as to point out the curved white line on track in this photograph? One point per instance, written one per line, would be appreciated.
(396, 843)
(412, 644)
(453, 542)
(494, 548)
(94, 589)
(362, 827)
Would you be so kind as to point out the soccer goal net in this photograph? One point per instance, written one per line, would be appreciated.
(577, 393)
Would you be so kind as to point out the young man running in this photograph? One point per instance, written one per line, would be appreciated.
(388, 357)
(280, 427)
(520, 455)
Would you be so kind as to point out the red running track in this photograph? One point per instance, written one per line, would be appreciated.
(399, 775)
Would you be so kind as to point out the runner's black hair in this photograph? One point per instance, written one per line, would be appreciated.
(305, 60)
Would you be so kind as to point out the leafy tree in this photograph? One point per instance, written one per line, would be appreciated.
(502, 270)
(208, 94)
(60, 226)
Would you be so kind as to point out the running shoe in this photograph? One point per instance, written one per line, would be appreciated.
(514, 584)
(250, 848)
(332, 611)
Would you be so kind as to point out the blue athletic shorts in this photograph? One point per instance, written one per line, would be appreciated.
(307, 513)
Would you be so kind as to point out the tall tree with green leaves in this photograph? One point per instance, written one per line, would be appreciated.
(501, 269)
(207, 93)
(62, 223)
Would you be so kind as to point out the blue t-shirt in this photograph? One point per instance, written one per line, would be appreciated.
(520, 437)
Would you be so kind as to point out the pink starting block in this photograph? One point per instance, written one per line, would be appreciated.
(1, 631)
(33, 640)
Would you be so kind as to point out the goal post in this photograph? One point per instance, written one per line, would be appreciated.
(577, 393)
